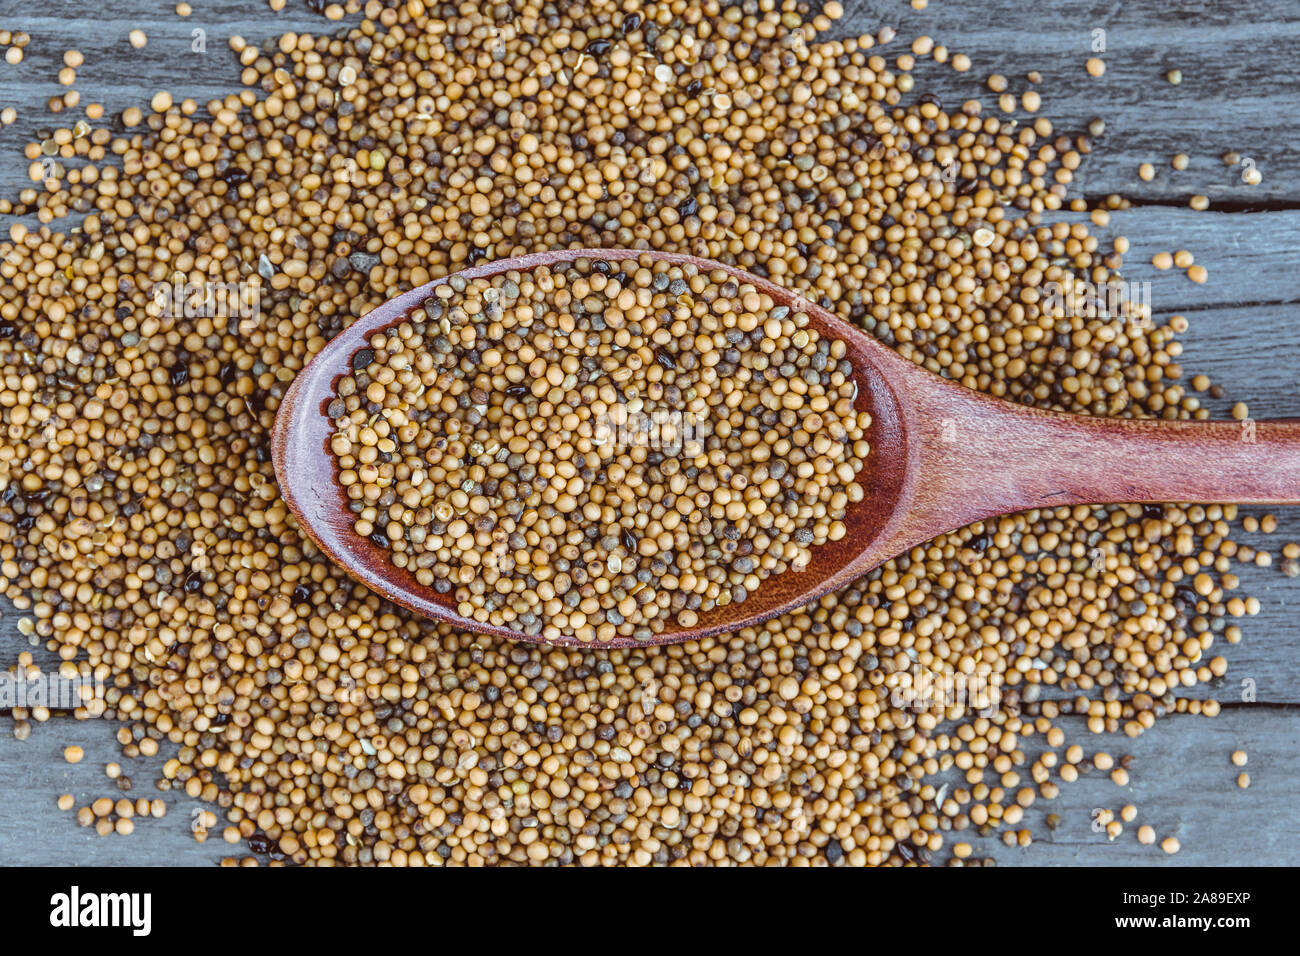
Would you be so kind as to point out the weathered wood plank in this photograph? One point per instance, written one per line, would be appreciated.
(33, 830)
(1237, 93)
(1250, 257)
(1184, 785)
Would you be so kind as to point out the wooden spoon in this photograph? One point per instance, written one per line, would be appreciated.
(942, 456)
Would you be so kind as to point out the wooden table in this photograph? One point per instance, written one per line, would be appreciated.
(1240, 90)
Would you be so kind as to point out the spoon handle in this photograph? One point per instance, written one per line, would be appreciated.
(984, 457)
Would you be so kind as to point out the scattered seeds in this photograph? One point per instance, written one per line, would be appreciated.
(334, 728)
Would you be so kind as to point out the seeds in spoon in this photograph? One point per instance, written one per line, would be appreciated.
(598, 448)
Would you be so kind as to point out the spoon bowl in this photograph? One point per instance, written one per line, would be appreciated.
(942, 456)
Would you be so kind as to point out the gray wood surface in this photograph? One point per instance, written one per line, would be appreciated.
(1239, 92)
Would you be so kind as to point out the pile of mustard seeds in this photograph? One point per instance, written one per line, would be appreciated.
(142, 532)
(599, 449)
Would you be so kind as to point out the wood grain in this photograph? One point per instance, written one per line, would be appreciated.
(1241, 83)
